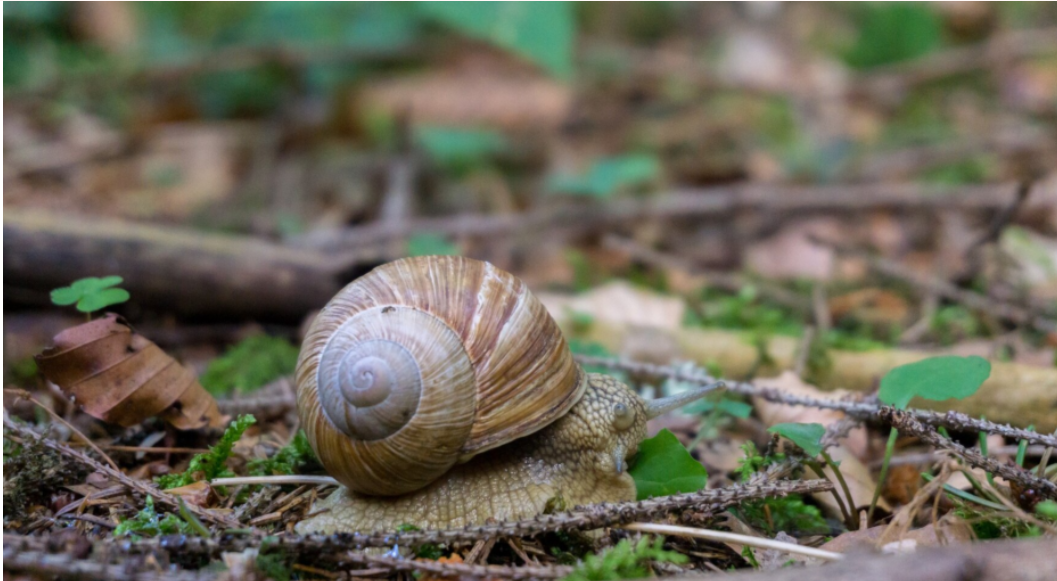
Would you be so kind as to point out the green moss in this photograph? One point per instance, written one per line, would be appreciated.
(212, 464)
(293, 458)
(252, 363)
(148, 522)
(625, 561)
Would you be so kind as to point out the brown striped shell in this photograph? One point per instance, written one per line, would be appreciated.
(425, 362)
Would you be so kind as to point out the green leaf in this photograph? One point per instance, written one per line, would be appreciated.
(664, 467)
(65, 296)
(542, 32)
(456, 149)
(102, 299)
(807, 436)
(148, 522)
(935, 378)
(290, 459)
(625, 561)
(91, 294)
(1047, 508)
(893, 32)
(430, 245)
(609, 175)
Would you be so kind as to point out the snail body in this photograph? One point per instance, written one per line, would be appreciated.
(440, 393)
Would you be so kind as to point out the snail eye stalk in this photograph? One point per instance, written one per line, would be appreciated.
(623, 416)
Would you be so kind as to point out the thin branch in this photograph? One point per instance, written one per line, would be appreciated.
(274, 480)
(906, 423)
(43, 565)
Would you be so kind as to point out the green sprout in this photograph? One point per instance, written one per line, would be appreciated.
(91, 294)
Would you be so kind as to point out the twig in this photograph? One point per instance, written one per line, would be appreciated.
(122, 478)
(726, 537)
(859, 409)
(726, 281)
(907, 424)
(42, 565)
(23, 394)
(1009, 312)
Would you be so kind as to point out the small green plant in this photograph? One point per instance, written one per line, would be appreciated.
(936, 379)
(429, 551)
(251, 363)
(290, 459)
(149, 523)
(663, 467)
(91, 294)
(625, 561)
(771, 515)
(212, 464)
(273, 560)
(809, 438)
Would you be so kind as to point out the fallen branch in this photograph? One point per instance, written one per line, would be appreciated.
(184, 271)
(45, 565)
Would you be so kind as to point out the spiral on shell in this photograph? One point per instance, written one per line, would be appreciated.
(425, 362)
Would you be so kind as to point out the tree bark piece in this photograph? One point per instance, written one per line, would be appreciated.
(1008, 560)
(183, 271)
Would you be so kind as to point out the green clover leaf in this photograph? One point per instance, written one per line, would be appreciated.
(91, 294)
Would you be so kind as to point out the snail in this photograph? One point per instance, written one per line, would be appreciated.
(440, 393)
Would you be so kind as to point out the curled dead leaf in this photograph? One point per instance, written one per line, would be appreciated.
(120, 376)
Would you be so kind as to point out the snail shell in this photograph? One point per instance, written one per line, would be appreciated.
(425, 362)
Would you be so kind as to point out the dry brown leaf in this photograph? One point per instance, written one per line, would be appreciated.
(870, 305)
(491, 98)
(620, 302)
(947, 530)
(119, 376)
(791, 254)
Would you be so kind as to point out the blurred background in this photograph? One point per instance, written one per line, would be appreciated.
(237, 163)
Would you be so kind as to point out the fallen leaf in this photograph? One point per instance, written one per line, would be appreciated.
(870, 305)
(619, 302)
(791, 254)
(947, 530)
(120, 376)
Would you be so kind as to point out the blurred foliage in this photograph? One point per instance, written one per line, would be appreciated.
(252, 363)
(458, 150)
(430, 245)
(890, 32)
(608, 176)
(542, 32)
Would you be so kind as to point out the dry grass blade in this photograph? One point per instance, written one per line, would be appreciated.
(721, 536)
